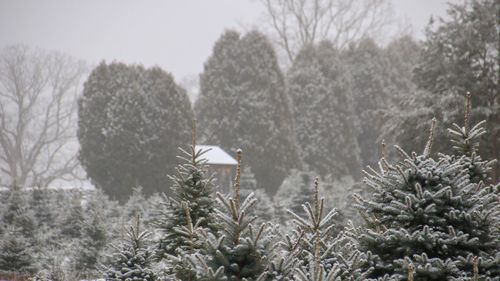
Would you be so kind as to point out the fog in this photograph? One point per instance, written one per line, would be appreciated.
(249, 140)
(176, 35)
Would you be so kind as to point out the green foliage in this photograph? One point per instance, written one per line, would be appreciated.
(137, 205)
(243, 103)
(18, 213)
(89, 248)
(191, 186)
(132, 257)
(372, 92)
(433, 215)
(43, 206)
(323, 255)
(293, 192)
(16, 254)
(459, 55)
(131, 121)
(72, 221)
(323, 112)
(238, 248)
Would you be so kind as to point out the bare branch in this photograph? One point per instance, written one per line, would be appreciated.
(298, 23)
(37, 115)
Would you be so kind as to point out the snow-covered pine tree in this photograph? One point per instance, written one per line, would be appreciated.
(18, 213)
(16, 255)
(465, 141)
(89, 248)
(193, 187)
(459, 55)
(72, 221)
(284, 255)
(43, 207)
(182, 265)
(136, 206)
(324, 256)
(430, 214)
(132, 258)
(293, 192)
(238, 248)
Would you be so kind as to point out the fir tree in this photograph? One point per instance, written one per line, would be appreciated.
(90, 246)
(72, 221)
(293, 192)
(18, 213)
(238, 249)
(182, 266)
(191, 186)
(432, 215)
(16, 255)
(132, 258)
(43, 206)
(324, 255)
(465, 142)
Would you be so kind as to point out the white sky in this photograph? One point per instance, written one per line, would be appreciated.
(177, 35)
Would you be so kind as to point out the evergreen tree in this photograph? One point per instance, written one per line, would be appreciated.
(323, 112)
(237, 249)
(243, 103)
(72, 221)
(324, 255)
(16, 255)
(371, 91)
(459, 55)
(296, 189)
(43, 206)
(403, 54)
(18, 213)
(132, 257)
(181, 264)
(89, 248)
(190, 207)
(293, 192)
(136, 205)
(131, 121)
(433, 216)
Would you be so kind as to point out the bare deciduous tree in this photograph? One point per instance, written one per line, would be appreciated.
(297, 23)
(38, 116)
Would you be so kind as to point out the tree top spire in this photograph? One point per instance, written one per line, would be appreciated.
(237, 178)
(428, 146)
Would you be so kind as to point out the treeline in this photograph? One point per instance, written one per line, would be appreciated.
(323, 115)
(428, 216)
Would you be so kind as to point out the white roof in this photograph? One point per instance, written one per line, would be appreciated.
(215, 155)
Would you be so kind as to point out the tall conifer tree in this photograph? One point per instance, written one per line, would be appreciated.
(243, 103)
(323, 112)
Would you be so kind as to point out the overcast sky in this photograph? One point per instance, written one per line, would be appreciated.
(177, 35)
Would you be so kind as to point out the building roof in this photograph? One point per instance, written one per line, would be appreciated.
(216, 156)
